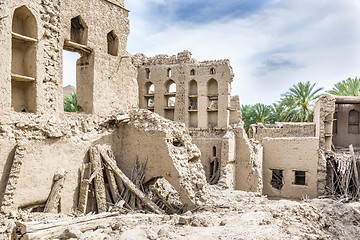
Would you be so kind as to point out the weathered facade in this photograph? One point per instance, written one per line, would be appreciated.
(33, 37)
(198, 94)
(37, 138)
(188, 128)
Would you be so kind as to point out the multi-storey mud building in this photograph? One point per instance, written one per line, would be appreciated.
(206, 143)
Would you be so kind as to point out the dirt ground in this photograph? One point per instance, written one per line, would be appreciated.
(225, 215)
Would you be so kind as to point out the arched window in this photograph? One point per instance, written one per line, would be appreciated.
(212, 71)
(23, 61)
(149, 95)
(169, 72)
(192, 72)
(150, 88)
(79, 31)
(214, 151)
(113, 43)
(193, 87)
(170, 93)
(353, 126)
(147, 73)
(212, 87)
(171, 86)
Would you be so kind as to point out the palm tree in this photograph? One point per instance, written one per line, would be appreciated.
(278, 112)
(70, 103)
(261, 113)
(258, 113)
(299, 102)
(348, 87)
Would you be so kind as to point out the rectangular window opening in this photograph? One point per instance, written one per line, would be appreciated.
(277, 179)
(69, 81)
(300, 177)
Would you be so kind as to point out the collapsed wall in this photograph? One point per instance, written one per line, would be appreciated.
(51, 145)
(290, 159)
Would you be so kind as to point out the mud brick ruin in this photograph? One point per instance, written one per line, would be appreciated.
(171, 116)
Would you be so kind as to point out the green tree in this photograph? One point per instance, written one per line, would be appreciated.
(278, 112)
(299, 102)
(70, 103)
(348, 87)
(258, 113)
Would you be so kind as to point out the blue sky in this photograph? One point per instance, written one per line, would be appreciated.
(271, 44)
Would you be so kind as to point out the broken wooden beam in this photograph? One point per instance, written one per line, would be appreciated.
(84, 187)
(112, 184)
(99, 183)
(53, 228)
(53, 200)
(129, 184)
(163, 200)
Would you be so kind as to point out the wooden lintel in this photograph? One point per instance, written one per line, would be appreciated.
(76, 47)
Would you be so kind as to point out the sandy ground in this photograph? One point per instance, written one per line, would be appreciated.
(226, 215)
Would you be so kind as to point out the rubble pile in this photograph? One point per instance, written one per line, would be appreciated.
(226, 215)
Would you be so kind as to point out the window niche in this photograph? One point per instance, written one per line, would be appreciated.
(23, 60)
(170, 99)
(353, 123)
(79, 31)
(193, 104)
(212, 71)
(113, 43)
(169, 72)
(147, 73)
(192, 72)
(212, 109)
(149, 96)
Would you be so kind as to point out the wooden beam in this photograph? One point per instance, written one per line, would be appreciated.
(23, 37)
(84, 188)
(21, 78)
(99, 183)
(130, 185)
(76, 47)
(53, 200)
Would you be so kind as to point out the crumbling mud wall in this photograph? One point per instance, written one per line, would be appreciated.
(65, 144)
(281, 129)
(168, 149)
(249, 154)
(323, 118)
(106, 78)
(210, 144)
(202, 95)
(290, 167)
(33, 35)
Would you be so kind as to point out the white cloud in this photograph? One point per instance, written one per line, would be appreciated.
(320, 37)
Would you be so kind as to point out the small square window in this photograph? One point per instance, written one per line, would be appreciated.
(300, 177)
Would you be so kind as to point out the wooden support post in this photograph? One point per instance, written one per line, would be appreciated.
(99, 183)
(84, 187)
(112, 184)
(53, 200)
(130, 185)
(356, 174)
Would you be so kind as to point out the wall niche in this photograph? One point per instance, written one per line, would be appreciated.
(23, 61)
